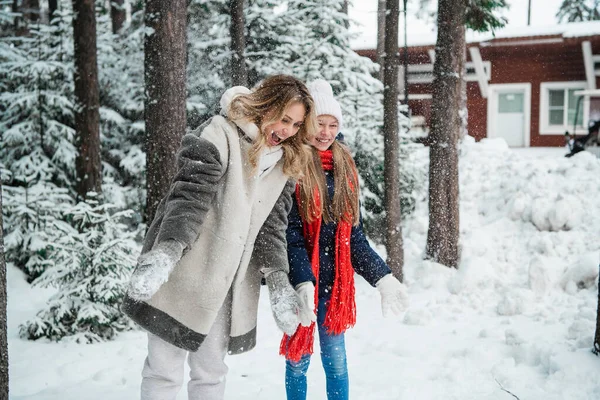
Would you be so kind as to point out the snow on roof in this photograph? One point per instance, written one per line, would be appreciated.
(574, 29)
(570, 30)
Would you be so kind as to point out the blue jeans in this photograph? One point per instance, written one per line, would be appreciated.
(333, 357)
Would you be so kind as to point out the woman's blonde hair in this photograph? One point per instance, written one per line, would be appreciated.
(267, 104)
(345, 203)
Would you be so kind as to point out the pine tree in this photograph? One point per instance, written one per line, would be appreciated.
(165, 87)
(36, 139)
(209, 54)
(448, 121)
(87, 114)
(44, 225)
(393, 223)
(5, 19)
(117, 15)
(92, 264)
(596, 349)
(3, 326)
(121, 77)
(239, 72)
(380, 36)
(443, 232)
(579, 11)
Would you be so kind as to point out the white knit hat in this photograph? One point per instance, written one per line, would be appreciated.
(325, 103)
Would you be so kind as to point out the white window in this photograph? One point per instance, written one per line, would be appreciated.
(558, 107)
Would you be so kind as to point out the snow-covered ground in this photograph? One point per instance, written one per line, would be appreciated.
(518, 316)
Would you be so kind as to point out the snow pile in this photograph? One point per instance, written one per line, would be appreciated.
(518, 315)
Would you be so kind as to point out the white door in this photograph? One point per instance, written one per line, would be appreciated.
(510, 120)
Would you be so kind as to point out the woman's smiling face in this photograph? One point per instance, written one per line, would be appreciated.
(328, 130)
(287, 126)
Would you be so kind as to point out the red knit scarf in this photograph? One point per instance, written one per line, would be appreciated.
(341, 313)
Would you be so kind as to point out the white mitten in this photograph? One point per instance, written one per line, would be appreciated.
(306, 292)
(285, 302)
(394, 297)
(153, 269)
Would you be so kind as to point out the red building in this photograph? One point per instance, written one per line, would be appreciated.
(522, 85)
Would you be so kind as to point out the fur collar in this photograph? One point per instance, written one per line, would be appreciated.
(270, 155)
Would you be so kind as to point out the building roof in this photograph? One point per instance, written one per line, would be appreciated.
(570, 30)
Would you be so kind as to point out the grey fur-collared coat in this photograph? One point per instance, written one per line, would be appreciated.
(232, 225)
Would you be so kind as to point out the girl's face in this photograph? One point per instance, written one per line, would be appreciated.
(287, 126)
(328, 130)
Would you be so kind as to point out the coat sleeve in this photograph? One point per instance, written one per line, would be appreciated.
(366, 262)
(192, 191)
(270, 246)
(300, 267)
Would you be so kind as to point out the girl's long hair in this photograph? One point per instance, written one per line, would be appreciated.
(267, 104)
(345, 203)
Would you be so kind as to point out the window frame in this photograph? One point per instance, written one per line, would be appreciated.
(545, 127)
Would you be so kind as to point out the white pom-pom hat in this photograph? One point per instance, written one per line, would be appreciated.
(325, 103)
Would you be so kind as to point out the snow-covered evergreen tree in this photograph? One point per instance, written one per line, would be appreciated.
(92, 263)
(85, 250)
(579, 11)
(208, 73)
(121, 84)
(36, 138)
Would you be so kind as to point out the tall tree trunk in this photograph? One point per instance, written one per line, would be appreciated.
(464, 110)
(31, 10)
(345, 7)
(394, 246)
(443, 234)
(239, 73)
(3, 326)
(117, 14)
(164, 111)
(380, 36)
(597, 335)
(87, 116)
(52, 8)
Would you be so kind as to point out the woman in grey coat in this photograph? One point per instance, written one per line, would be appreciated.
(219, 230)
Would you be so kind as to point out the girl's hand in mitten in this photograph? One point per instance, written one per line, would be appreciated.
(306, 292)
(394, 297)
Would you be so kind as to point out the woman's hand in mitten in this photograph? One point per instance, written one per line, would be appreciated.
(285, 302)
(394, 297)
(153, 269)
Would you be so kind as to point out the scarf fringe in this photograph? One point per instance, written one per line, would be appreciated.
(301, 343)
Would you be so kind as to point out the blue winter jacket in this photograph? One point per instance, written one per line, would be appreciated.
(365, 260)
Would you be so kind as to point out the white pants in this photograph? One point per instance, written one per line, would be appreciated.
(162, 376)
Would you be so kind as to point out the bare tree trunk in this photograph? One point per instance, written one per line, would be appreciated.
(164, 112)
(597, 335)
(443, 234)
(345, 11)
(464, 110)
(87, 116)
(117, 14)
(380, 36)
(52, 7)
(31, 10)
(3, 326)
(394, 246)
(239, 73)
